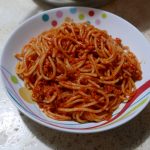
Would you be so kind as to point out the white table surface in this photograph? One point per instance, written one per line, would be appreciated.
(17, 132)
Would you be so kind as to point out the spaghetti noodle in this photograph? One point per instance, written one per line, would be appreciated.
(78, 72)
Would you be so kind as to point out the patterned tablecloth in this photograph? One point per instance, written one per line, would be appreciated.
(17, 132)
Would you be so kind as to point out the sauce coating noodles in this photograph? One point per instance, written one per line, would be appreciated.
(78, 72)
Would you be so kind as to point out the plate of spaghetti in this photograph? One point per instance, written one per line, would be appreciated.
(77, 69)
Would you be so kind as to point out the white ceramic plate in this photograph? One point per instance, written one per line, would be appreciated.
(77, 2)
(115, 26)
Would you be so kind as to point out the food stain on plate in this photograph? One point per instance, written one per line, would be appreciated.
(26, 94)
